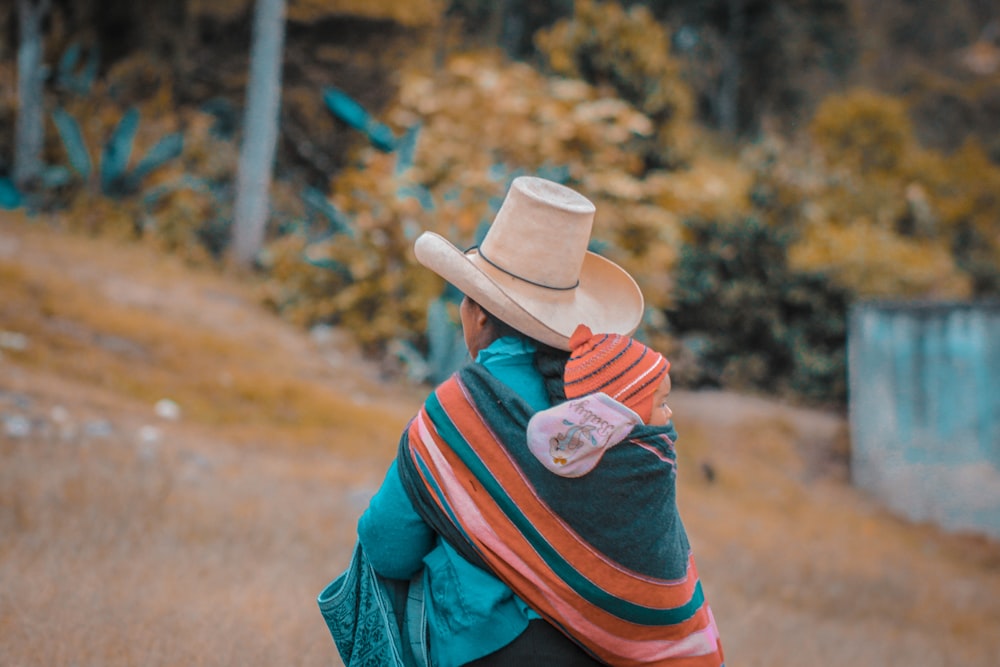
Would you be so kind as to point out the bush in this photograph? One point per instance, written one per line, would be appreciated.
(748, 321)
(628, 51)
(866, 132)
(877, 213)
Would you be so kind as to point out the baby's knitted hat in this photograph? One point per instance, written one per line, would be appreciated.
(620, 366)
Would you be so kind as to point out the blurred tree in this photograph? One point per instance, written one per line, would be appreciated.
(746, 58)
(509, 24)
(944, 58)
(752, 58)
(260, 130)
(628, 52)
(30, 125)
(750, 320)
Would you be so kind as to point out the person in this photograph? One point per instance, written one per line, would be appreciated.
(533, 495)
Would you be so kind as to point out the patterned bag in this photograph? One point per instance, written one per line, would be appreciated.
(374, 621)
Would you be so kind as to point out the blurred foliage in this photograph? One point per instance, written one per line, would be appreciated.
(944, 60)
(116, 177)
(880, 214)
(749, 292)
(143, 166)
(864, 132)
(411, 12)
(779, 55)
(510, 24)
(873, 262)
(478, 122)
(628, 51)
(748, 320)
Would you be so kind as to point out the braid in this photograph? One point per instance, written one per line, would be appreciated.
(551, 363)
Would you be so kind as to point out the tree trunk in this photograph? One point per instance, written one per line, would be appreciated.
(29, 133)
(512, 28)
(732, 74)
(260, 130)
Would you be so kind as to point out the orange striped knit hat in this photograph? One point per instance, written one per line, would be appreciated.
(620, 366)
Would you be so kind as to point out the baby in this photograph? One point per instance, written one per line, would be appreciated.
(623, 368)
(613, 383)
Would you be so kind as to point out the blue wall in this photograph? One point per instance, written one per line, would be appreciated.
(924, 401)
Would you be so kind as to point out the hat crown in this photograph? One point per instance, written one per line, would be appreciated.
(514, 245)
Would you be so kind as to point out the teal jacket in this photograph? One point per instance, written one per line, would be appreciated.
(470, 613)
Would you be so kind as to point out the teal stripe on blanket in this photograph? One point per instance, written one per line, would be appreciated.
(597, 596)
(436, 490)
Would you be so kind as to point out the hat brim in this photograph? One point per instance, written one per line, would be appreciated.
(607, 299)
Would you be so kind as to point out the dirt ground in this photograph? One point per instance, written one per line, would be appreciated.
(181, 473)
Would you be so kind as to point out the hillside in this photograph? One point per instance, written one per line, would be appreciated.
(181, 472)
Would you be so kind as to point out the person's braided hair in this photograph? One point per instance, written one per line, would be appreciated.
(551, 363)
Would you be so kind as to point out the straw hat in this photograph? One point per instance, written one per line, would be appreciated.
(533, 270)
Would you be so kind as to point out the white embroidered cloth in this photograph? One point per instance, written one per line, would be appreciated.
(570, 438)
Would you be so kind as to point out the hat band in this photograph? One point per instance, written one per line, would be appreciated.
(522, 278)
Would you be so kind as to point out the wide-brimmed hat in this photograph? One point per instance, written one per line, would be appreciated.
(533, 270)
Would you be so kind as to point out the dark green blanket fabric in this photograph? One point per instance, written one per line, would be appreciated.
(625, 507)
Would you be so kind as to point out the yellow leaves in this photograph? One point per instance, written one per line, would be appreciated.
(628, 51)
(411, 13)
(614, 184)
(711, 188)
(620, 119)
(872, 261)
(205, 154)
(95, 214)
(963, 188)
(883, 215)
(863, 131)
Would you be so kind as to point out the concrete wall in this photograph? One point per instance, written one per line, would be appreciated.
(924, 402)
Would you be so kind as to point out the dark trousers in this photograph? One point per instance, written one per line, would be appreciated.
(539, 644)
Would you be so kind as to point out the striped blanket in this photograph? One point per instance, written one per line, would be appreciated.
(603, 557)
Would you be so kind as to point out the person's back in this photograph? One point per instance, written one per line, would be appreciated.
(471, 613)
(539, 506)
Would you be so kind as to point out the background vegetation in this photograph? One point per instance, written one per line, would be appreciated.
(757, 165)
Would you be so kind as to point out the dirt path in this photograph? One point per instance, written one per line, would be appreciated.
(181, 472)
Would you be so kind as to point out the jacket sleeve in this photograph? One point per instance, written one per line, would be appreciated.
(394, 536)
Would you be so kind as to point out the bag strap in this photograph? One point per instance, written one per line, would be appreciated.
(416, 621)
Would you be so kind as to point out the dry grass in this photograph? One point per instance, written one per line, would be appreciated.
(207, 544)
(801, 568)
(183, 552)
(143, 340)
(206, 540)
